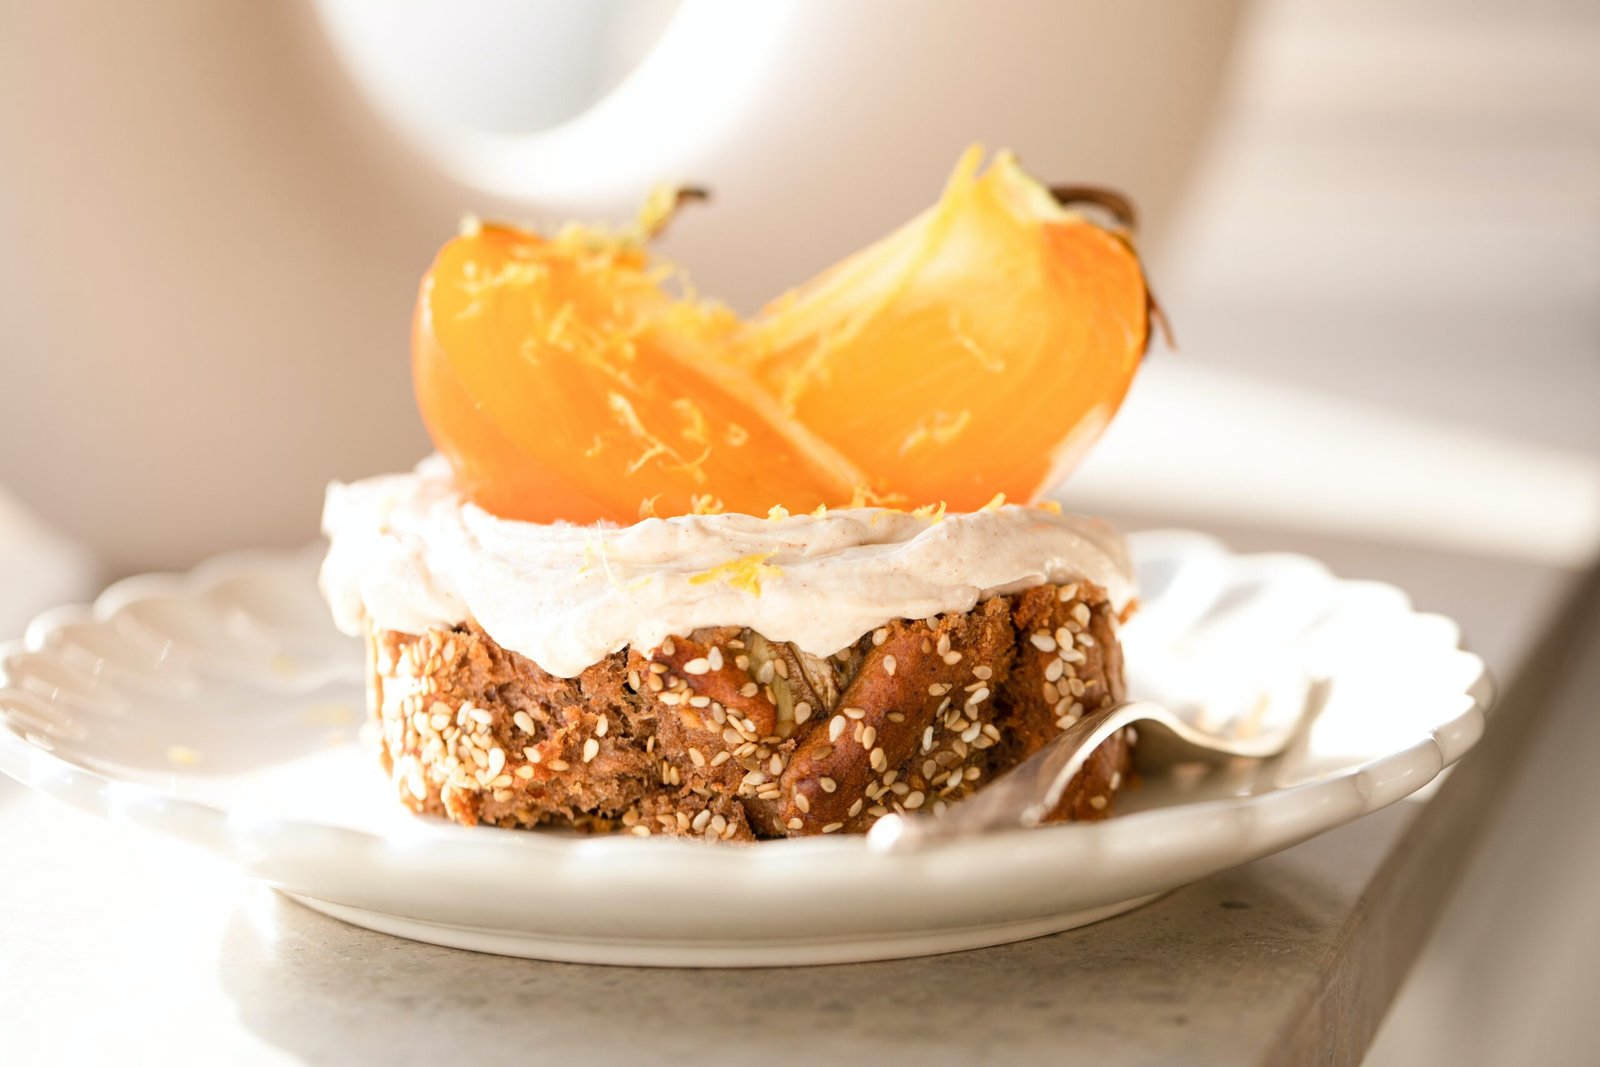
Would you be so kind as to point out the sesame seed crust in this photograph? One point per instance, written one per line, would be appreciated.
(722, 735)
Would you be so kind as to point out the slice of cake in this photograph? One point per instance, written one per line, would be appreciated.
(721, 675)
(675, 572)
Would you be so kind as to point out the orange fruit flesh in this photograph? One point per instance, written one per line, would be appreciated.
(563, 384)
(978, 350)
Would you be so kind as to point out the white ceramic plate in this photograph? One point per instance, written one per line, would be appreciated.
(222, 707)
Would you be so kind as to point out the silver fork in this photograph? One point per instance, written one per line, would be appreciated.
(1023, 796)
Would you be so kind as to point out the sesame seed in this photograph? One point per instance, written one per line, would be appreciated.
(802, 803)
(698, 665)
(1076, 685)
(601, 725)
(641, 830)
(979, 697)
(795, 823)
(1097, 803)
(765, 672)
(591, 749)
(497, 761)
(720, 758)
(938, 689)
(775, 765)
(802, 711)
(855, 809)
(889, 778)
(879, 761)
(714, 657)
(559, 765)
(1042, 641)
(754, 778)
(1071, 655)
(1063, 636)
(781, 667)
(888, 664)
(697, 757)
(852, 713)
(1086, 639)
(952, 658)
(719, 823)
(927, 739)
(501, 781)
(828, 784)
(983, 671)
(914, 799)
(668, 648)
(525, 771)
(659, 668)
(944, 644)
(880, 635)
(749, 689)
(524, 722)
(821, 752)
(699, 701)
(670, 699)
(832, 827)
(1052, 671)
(532, 755)
(701, 819)
(869, 737)
(1067, 592)
(1080, 612)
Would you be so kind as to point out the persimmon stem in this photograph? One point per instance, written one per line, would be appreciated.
(1118, 205)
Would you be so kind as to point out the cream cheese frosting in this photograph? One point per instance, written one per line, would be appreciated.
(408, 552)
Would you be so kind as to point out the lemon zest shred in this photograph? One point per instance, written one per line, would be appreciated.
(745, 573)
(705, 504)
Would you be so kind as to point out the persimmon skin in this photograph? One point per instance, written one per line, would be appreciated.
(980, 349)
(562, 384)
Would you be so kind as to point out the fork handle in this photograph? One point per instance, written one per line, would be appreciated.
(1022, 796)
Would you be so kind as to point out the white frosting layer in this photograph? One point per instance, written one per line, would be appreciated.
(408, 553)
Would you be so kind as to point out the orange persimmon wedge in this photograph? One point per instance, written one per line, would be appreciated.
(563, 384)
(979, 349)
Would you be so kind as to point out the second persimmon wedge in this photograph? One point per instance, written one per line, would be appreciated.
(563, 384)
(980, 349)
